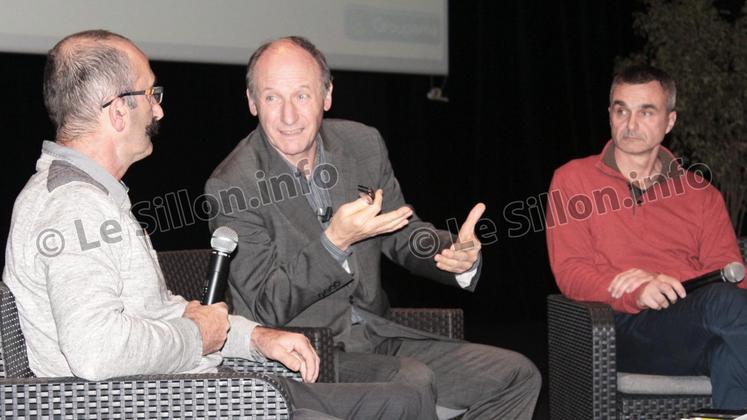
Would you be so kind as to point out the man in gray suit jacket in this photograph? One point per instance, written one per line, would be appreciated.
(315, 204)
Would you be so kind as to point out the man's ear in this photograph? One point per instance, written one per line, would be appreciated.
(252, 104)
(328, 98)
(118, 112)
(672, 118)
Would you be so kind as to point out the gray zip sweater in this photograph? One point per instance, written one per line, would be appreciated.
(91, 297)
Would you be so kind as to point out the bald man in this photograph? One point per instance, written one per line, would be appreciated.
(316, 204)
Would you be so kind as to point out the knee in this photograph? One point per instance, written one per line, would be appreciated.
(525, 372)
(508, 367)
(725, 299)
(417, 374)
(529, 374)
(724, 292)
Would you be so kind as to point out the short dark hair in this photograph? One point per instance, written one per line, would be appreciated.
(298, 41)
(81, 71)
(643, 73)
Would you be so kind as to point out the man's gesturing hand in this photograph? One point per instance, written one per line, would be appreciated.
(212, 320)
(461, 256)
(291, 349)
(359, 220)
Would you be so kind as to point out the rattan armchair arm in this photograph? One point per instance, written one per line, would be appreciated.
(190, 396)
(583, 371)
(320, 338)
(448, 322)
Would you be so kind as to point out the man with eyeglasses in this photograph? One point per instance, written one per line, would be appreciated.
(91, 297)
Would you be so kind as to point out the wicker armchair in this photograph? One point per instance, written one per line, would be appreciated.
(186, 396)
(185, 270)
(583, 379)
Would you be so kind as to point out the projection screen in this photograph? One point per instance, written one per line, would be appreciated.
(402, 36)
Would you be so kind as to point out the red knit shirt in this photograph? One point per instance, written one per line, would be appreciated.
(596, 229)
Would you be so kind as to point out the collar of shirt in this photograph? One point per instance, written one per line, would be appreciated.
(670, 167)
(116, 188)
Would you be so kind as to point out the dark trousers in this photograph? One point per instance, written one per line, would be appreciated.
(703, 334)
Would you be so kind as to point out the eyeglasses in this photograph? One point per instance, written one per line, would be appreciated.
(155, 92)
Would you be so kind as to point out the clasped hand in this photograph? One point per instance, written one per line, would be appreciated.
(659, 290)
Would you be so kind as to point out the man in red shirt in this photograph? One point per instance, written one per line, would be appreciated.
(628, 226)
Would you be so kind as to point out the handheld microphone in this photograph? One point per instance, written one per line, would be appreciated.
(223, 242)
(731, 273)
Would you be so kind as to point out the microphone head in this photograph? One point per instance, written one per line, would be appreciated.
(224, 240)
(734, 272)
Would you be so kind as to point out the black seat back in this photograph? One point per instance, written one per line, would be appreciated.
(14, 362)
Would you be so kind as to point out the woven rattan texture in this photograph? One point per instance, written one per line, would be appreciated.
(446, 322)
(190, 397)
(185, 271)
(14, 362)
(581, 359)
(269, 367)
(660, 407)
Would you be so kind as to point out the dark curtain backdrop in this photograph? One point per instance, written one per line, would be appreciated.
(527, 92)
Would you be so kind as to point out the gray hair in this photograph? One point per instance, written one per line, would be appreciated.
(643, 73)
(300, 42)
(81, 72)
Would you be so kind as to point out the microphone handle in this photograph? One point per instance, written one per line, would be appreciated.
(215, 286)
(715, 277)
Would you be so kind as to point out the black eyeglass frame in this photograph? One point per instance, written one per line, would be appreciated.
(155, 92)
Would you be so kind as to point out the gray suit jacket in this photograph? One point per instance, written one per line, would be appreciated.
(281, 273)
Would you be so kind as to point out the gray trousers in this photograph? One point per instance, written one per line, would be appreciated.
(367, 401)
(488, 382)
